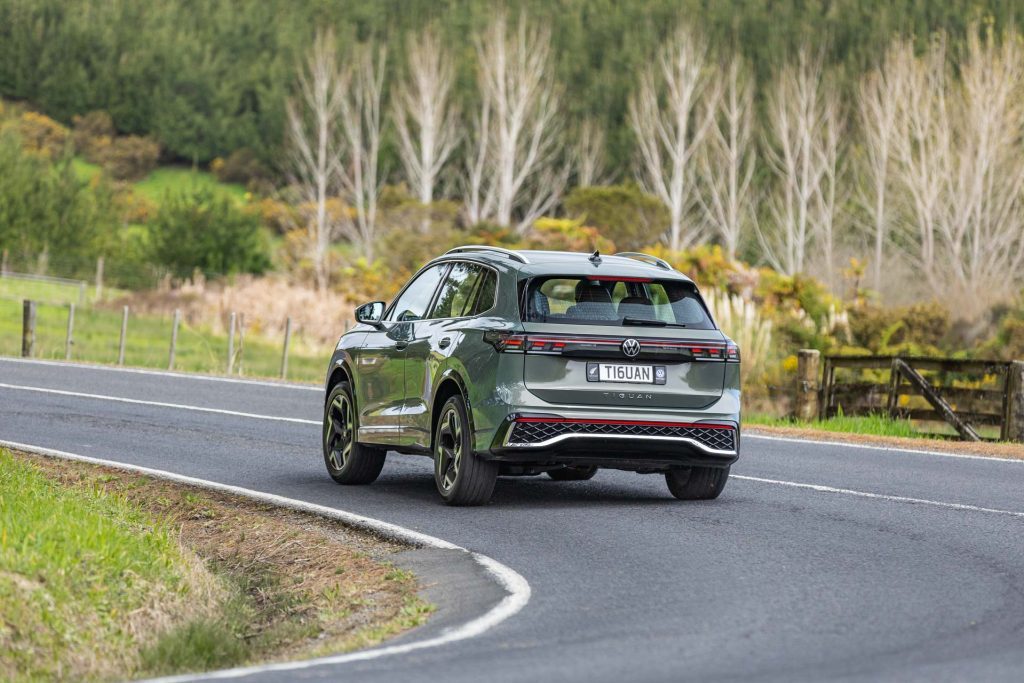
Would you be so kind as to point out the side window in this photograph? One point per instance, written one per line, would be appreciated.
(412, 304)
(486, 291)
(453, 301)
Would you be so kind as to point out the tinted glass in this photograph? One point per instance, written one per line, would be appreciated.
(412, 304)
(582, 301)
(457, 291)
(486, 290)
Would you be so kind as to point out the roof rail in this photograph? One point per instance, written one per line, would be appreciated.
(646, 258)
(514, 255)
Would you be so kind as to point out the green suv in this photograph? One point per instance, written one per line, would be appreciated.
(499, 362)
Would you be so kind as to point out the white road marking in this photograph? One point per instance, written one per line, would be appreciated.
(164, 373)
(879, 447)
(159, 404)
(879, 496)
(515, 585)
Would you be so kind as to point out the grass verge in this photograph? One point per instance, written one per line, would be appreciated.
(106, 574)
(877, 431)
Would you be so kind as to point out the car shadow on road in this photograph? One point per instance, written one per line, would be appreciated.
(404, 482)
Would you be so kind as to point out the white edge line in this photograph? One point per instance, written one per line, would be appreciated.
(879, 496)
(163, 373)
(878, 447)
(159, 404)
(512, 582)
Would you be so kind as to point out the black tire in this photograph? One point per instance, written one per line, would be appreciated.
(572, 473)
(697, 483)
(347, 460)
(462, 478)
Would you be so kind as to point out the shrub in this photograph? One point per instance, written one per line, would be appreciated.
(241, 166)
(622, 213)
(563, 234)
(199, 230)
(130, 157)
(93, 134)
(46, 208)
(42, 134)
(914, 330)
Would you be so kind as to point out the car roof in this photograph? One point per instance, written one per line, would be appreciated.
(539, 262)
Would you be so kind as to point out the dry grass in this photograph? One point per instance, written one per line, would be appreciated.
(266, 302)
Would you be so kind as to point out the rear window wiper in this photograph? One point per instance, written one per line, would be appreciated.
(652, 322)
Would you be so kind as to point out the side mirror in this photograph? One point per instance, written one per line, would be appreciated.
(371, 313)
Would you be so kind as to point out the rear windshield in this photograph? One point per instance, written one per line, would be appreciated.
(603, 300)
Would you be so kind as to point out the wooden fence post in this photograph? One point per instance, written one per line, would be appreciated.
(231, 343)
(174, 337)
(99, 278)
(69, 340)
(28, 329)
(1013, 421)
(287, 341)
(241, 340)
(124, 336)
(806, 405)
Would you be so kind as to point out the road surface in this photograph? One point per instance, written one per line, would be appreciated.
(818, 562)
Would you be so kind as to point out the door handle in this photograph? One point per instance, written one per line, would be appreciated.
(444, 342)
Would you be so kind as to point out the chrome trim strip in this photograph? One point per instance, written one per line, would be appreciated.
(581, 435)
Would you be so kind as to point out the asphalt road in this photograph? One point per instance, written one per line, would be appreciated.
(774, 581)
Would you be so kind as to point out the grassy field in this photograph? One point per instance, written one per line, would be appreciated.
(43, 290)
(97, 333)
(167, 179)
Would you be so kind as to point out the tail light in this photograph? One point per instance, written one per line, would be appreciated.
(505, 341)
(732, 353)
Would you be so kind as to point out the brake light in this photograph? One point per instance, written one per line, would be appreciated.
(614, 278)
(732, 353)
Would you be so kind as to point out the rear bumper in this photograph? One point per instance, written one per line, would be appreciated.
(651, 445)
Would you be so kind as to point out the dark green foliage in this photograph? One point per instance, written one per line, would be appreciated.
(242, 166)
(46, 209)
(913, 330)
(207, 78)
(624, 214)
(198, 230)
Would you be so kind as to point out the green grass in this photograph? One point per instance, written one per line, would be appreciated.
(74, 564)
(40, 290)
(173, 179)
(84, 169)
(97, 333)
(878, 425)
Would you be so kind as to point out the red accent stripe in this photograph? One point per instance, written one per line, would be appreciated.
(629, 423)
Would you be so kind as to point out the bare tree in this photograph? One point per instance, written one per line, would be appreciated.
(588, 154)
(426, 120)
(670, 113)
(880, 94)
(516, 140)
(800, 111)
(361, 178)
(728, 160)
(315, 143)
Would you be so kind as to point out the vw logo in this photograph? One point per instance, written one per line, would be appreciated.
(631, 348)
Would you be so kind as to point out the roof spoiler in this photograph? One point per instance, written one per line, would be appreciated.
(646, 258)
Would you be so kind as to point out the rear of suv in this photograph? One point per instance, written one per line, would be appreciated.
(499, 362)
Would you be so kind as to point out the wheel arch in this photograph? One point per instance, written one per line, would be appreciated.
(450, 384)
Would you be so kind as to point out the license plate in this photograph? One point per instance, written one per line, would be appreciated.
(627, 374)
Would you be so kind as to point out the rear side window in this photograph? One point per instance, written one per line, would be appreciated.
(615, 301)
(468, 290)
(457, 292)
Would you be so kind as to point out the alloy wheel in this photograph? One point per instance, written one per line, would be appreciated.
(340, 430)
(448, 459)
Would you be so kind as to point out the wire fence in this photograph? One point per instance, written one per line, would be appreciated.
(68, 331)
